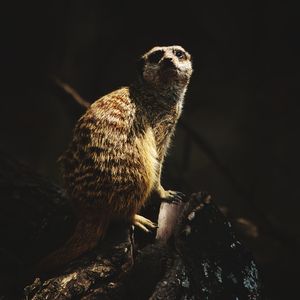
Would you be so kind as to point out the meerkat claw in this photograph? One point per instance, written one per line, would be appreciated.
(143, 223)
(174, 197)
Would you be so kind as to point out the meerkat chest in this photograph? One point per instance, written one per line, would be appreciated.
(165, 127)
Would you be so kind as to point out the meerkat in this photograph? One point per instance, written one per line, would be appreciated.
(116, 156)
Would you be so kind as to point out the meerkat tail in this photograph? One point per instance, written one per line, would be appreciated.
(85, 237)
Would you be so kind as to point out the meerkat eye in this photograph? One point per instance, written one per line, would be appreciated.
(179, 54)
(155, 57)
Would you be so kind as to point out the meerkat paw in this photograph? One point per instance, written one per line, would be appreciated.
(171, 196)
(143, 223)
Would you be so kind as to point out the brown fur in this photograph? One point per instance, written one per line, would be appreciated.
(115, 158)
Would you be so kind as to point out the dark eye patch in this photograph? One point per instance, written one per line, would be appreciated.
(180, 54)
(155, 57)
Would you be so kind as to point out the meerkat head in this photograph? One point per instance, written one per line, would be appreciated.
(164, 67)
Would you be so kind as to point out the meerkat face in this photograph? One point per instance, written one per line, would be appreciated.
(166, 66)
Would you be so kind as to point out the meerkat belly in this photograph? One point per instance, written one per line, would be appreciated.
(147, 151)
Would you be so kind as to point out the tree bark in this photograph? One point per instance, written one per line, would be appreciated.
(195, 255)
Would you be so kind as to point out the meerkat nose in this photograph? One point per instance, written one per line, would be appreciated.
(167, 63)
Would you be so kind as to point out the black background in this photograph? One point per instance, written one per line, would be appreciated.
(242, 101)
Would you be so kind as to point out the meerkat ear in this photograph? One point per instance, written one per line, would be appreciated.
(140, 67)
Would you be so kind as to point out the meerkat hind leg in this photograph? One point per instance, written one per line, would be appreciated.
(143, 223)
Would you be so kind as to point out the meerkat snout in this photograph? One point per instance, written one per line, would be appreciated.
(167, 63)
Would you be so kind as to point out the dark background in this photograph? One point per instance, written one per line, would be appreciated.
(240, 136)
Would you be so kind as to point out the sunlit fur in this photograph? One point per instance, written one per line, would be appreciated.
(115, 158)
